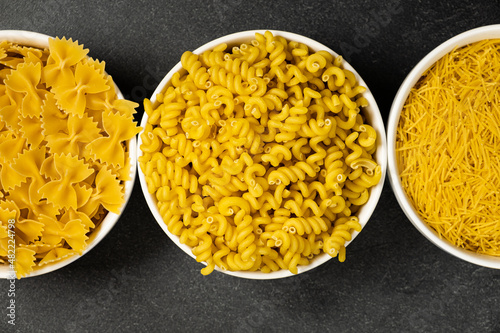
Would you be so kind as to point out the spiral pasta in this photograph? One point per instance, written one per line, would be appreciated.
(258, 155)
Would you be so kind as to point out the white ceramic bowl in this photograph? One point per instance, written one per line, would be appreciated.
(471, 36)
(373, 117)
(42, 41)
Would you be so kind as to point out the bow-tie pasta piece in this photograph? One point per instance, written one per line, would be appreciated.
(64, 54)
(73, 233)
(61, 191)
(72, 214)
(29, 200)
(72, 93)
(28, 165)
(107, 193)
(109, 149)
(24, 80)
(78, 131)
(64, 158)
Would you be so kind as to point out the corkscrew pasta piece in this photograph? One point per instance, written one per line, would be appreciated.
(63, 154)
(259, 155)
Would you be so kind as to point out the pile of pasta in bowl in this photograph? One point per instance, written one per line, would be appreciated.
(258, 154)
(67, 152)
(443, 154)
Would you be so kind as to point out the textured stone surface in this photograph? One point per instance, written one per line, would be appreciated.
(394, 280)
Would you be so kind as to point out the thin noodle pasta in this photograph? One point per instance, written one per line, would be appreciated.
(448, 147)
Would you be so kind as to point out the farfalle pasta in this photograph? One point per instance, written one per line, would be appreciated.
(63, 150)
(258, 155)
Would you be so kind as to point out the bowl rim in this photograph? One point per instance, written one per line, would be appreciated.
(39, 40)
(372, 112)
(462, 39)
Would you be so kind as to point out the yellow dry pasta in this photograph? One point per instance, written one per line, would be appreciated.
(63, 152)
(249, 151)
(447, 147)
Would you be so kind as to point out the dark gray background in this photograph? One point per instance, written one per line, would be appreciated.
(137, 280)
